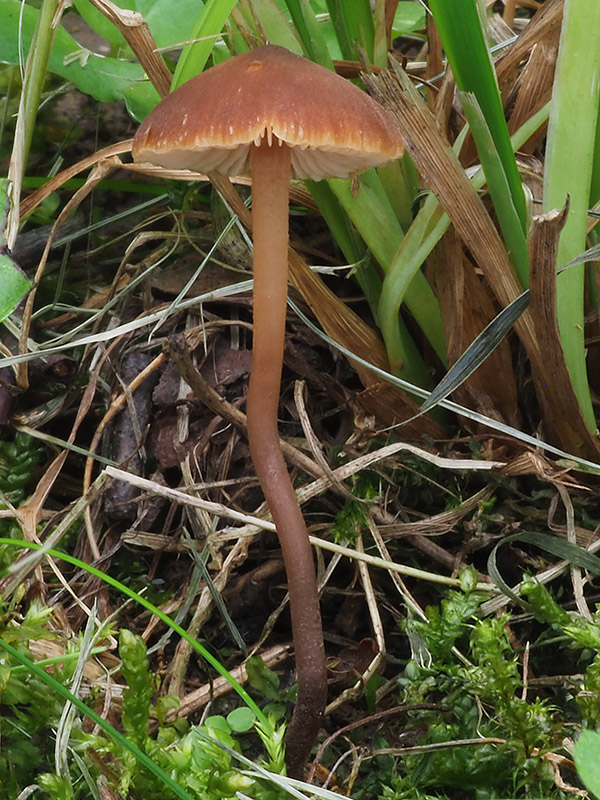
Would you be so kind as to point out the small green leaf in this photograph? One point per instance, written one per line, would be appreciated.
(262, 678)
(241, 719)
(13, 286)
(409, 17)
(218, 723)
(587, 760)
(164, 704)
(140, 99)
(468, 579)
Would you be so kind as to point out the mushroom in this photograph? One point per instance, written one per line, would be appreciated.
(275, 115)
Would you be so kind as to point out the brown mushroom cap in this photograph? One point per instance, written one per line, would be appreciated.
(333, 128)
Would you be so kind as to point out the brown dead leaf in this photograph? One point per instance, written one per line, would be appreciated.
(544, 25)
(533, 89)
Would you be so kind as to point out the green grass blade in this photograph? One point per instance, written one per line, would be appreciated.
(31, 93)
(405, 267)
(208, 26)
(353, 22)
(310, 33)
(566, 551)
(341, 31)
(108, 729)
(568, 171)
(480, 348)
(349, 242)
(38, 58)
(461, 31)
(380, 48)
(498, 187)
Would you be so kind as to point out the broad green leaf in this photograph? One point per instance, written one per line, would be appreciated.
(169, 22)
(101, 24)
(587, 760)
(102, 78)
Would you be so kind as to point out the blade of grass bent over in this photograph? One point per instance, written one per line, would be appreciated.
(568, 169)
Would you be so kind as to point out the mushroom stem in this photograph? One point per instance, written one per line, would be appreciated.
(270, 196)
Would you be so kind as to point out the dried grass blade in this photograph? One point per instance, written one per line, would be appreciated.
(32, 201)
(533, 89)
(99, 172)
(545, 24)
